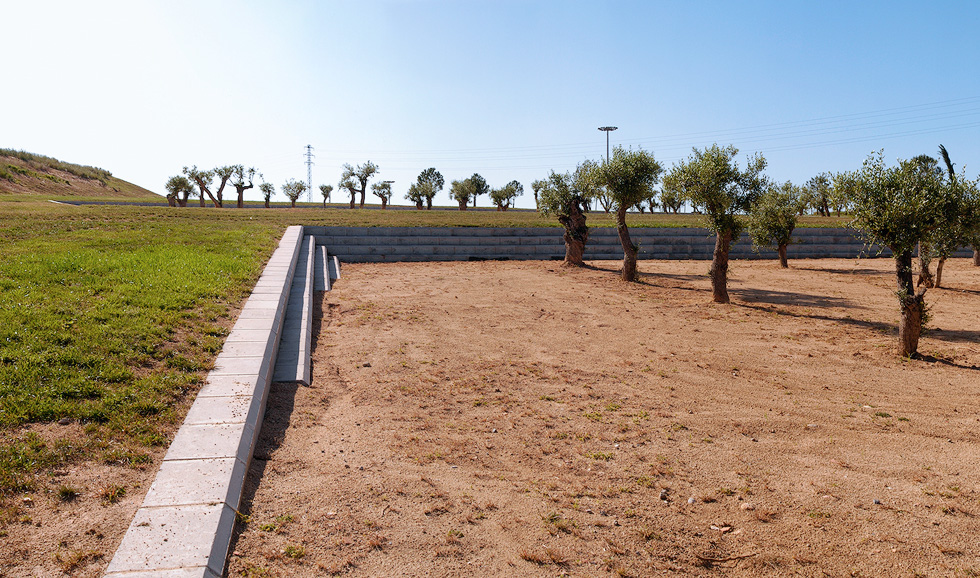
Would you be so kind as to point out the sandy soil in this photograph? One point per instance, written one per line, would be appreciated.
(526, 419)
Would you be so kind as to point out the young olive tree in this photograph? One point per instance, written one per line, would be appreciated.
(772, 218)
(671, 201)
(382, 190)
(536, 187)
(628, 178)
(897, 207)
(268, 189)
(507, 194)
(417, 193)
(480, 186)
(817, 193)
(355, 180)
(325, 190)
(961, 222)
(178, 190)
(293, 190)
(239, 175)
(470, 188)
(713, 182)
(430, 183)
(560, 196)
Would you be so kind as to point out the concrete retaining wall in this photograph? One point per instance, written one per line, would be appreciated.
(374, 244)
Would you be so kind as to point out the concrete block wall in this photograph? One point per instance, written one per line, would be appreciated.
(378, 244)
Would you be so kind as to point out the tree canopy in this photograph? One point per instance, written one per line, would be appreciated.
(772, 218)
(293, 189)
(355, 180)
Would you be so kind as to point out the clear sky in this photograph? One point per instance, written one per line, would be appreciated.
(507, 88)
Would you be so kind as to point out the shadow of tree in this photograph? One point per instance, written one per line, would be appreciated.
(791, 298)
(862, 271)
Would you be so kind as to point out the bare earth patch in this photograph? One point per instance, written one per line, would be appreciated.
(527, 419)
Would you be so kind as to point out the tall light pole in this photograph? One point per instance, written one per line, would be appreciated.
(607, 130)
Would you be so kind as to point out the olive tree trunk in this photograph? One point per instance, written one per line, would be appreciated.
(783, 262)
(719, 267)
(629, 249)
(462, 205)
(267, 203)
(576, 235)
(925, 275)
(352, 199)
(912, 304)
(939, 272)
(428, 204)
(384, 203)
(976, 256)
(362, 195)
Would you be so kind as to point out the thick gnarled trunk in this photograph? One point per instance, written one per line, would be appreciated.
(783, 262)
(939, 272)
(912, 304)
(576, 236)
(629, 249)
(462, 205)
(976, 256)
(719, 267)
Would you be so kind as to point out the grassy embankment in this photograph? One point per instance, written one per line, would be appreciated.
(111, 315)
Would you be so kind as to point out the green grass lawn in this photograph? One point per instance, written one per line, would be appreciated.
(109, 315)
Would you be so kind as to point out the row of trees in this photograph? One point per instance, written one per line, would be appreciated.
(916, 204)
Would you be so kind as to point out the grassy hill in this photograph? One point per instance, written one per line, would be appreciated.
(27, 175)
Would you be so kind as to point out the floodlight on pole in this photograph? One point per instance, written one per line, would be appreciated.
(607, 130)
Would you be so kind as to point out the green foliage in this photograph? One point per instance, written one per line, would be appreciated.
(293, 189)
(507, 194)
(715, 185)
(628, 177)
(355, 180)
(268, 189)
(772, 218)
(382, 190)
(468, 189)
(899, 206)
(432, 177)
(960, 220)
(325, 190)
(179, 188)
(559, 195)
(817, 193)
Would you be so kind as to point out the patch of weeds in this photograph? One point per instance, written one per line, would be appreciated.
(67, 493)
(555, 523)
(111, 493)
(453, 536)
(882, 414)
(74, 559)
(595, 416)
(599, 456)
(903, 419)
(612, 406)
(676, 427)
(294, 552)
(646, 482)
(818, 514)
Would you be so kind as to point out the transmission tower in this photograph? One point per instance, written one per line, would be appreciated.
(309, 173)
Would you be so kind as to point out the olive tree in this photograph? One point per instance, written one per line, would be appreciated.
(178, 190)
(325, 190)
(560, 196)
(671, 201)
(293, 190)
(628, 178)
(507, 194)
(536, 187)
(469, 188)
(817, 193)
(960, 224)
(897, 207)
(430, 183)
(268, 189)
(418, 193)
(715, 185)
(382, 190)
(355, 180)
(239, 176)
(203, 180)
(772, 218)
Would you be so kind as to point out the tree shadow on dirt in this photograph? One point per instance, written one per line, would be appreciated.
(791, 298)
(836, 271)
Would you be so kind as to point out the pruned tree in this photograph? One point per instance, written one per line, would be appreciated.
(382, 190)
(713, 182)
(239, 176)
(268, 189)
(817, 192)
(325, 190)
(480, 186)
(461, 192)
(293, 190)
(628, 178)
(430, 183)
(507, 194)
(355, 180)
(772, 218)
(418, 193)
(560, 196)
(203, 181)
(897, 207)
(179, 188)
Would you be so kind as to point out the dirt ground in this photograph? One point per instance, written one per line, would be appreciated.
(527, 419)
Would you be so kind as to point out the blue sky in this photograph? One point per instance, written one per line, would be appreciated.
(508, 89)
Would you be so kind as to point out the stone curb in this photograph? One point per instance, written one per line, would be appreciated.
(184, 527)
